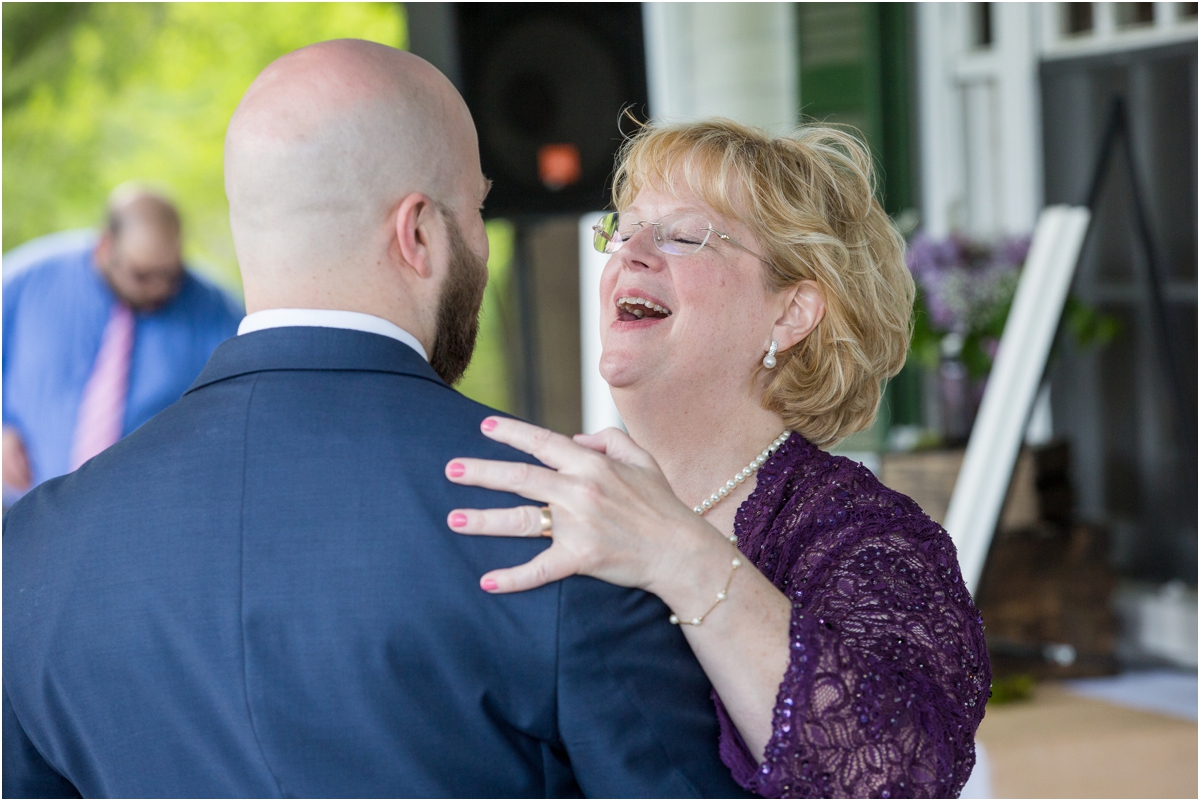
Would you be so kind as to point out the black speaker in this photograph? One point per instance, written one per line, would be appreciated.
(547, 84)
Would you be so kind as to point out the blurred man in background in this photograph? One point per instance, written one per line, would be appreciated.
(100, 338)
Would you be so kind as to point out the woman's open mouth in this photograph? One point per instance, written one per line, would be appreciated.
(632, 308)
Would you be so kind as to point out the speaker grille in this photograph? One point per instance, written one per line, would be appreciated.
(546, 84)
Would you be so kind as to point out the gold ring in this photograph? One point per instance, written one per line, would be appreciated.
(547, 521)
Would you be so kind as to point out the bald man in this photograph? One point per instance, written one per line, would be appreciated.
(280, 609)
(100, 336)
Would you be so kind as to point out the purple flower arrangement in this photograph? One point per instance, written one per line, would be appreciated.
(964, 291)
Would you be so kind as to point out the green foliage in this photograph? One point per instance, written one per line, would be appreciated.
(1018, 687)
(976, 354)
(103, 93)
(97, 94)
(36, 39)
(925, 346)
(1089, 327)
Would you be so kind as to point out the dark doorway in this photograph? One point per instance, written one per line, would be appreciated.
(1134, 466)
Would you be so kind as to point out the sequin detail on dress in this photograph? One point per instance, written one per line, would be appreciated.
(889, 672)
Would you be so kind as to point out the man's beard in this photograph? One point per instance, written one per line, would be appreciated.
(458, 308)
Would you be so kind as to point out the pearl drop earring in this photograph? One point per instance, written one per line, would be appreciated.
(769, 359)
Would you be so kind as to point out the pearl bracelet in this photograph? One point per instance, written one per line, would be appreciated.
(721, 596)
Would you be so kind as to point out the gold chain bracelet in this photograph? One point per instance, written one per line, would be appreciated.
(721, 596)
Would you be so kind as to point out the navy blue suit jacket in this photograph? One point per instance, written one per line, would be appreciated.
(256, 594)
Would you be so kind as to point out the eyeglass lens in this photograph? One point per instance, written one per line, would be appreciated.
(674, 234)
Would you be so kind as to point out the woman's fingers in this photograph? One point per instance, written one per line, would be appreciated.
(530, 481)
(617, 445)
(552, 564)
(591, 441)
(551, 449)
(520, 521)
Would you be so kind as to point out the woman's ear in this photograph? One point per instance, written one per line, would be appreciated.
(415, 221)
(804, 310)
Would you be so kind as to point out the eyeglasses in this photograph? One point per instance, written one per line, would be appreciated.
(675, 234)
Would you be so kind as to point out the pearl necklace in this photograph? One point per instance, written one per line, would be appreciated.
(741, 476)
(713, 500)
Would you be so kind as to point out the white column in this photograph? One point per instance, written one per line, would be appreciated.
(980, 126)
(736, 60)
(599, 411)
(940, 129)
(1019, 119)
(1166, 14)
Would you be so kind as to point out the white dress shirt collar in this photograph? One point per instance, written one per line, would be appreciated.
(328, 318)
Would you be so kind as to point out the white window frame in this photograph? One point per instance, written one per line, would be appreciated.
(1106, 37)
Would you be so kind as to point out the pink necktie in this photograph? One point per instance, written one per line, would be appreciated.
(102, 410)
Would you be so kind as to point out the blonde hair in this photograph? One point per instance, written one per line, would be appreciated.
(809, 198)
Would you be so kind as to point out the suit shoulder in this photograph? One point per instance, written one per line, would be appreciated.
(47, 501)
(468, 407)
(466, 414)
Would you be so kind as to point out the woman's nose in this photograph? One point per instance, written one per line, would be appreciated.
(640, 252)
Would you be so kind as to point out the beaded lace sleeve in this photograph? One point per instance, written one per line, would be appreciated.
(889, 673)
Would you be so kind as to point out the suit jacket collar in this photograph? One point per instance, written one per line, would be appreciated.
(311, 348)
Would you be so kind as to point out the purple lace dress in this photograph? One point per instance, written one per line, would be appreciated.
(889, 672)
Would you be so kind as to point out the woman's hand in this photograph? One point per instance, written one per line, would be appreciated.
(614, 515)
(616, 518)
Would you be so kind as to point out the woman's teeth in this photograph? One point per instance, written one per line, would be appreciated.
(640, 307)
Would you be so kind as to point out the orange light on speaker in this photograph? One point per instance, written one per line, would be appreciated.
(558, 166)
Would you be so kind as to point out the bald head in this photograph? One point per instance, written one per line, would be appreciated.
(136, 208)
(139, 253)
(326, 143)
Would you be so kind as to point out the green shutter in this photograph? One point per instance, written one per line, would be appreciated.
(855, 69)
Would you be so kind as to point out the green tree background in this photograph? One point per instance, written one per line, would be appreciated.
(97, 94)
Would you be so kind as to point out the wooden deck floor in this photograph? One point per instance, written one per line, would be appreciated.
(1062, 745)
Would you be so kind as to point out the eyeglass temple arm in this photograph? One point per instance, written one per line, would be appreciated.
(736, 244)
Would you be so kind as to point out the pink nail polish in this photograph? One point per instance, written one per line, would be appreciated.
(488, 584)
(458, 520)
(457, 469)
(488, 424)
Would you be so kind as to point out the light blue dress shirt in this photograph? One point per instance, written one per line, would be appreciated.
(55, 311)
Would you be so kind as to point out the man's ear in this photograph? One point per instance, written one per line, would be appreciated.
(104, 250)
(804, 310)
(416, 220)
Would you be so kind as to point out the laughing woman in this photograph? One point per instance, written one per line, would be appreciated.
(754, 303)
